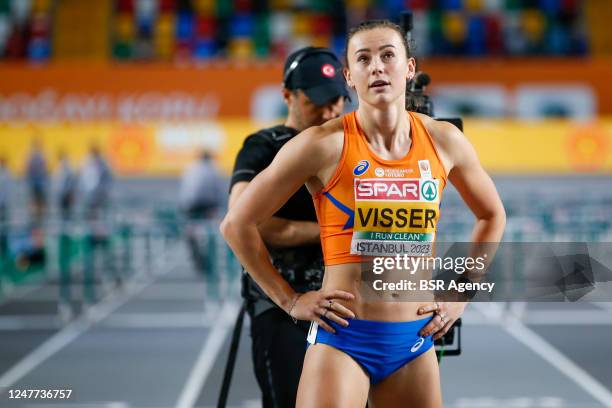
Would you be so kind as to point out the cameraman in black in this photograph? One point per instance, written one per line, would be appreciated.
(314, 90)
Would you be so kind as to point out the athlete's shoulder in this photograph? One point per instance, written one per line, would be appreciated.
(334, 125)
(439, 129)
(451, 143)
(445, 134)
(325, 130)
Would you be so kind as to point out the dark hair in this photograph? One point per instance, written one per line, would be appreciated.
(372, 24)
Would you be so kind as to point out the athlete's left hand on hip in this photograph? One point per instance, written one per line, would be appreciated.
(446, 313)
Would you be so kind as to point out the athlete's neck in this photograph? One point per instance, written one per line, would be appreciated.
(292, 123)
(388, 130)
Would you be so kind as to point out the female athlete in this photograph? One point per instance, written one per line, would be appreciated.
(376, 176)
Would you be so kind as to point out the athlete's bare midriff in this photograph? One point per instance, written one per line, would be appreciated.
(348, 277)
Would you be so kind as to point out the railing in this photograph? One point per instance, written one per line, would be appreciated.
(89, 259)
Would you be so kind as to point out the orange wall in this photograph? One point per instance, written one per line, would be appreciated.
(231, 85)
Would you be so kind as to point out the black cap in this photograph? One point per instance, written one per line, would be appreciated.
(317, 72)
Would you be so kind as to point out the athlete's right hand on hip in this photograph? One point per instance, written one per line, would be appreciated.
(318, 304)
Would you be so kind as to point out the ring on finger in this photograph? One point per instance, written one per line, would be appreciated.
(442, 317)
(330, 304)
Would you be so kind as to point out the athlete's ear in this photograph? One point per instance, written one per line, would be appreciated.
(347, 76)
(411, 68)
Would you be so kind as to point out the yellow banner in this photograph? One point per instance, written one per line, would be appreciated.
(164, 149)
(552, 146)
(133, 149)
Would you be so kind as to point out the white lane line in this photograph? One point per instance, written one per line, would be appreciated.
(58, 341)
(540, 317)
(248, 403)
(512, 402)
(170, 320)
(49, 292)
(567, 317)
(32, 322)
(518, 402)
(20, 293)
(188, 320)
(208, 355)
(604, 305)
(112, 404)
(73, 330)
(557, 359)
(42, 353)
(157, 321)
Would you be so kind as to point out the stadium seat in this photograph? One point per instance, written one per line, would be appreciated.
(476, 35)
(301, 24)
(20, 10)
(473, 5)
(205, 7)
(454, 28)
(241, 48)
(445, 26)
(205, 26)
(185, 27)
(146, 10)
(241, 26)
(5, 30)
(41, 6)
(124, 27)
(204, 49)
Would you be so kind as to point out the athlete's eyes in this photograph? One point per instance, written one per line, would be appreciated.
(362, 58)
(388, 55)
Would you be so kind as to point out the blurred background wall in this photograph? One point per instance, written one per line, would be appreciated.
(152, 81)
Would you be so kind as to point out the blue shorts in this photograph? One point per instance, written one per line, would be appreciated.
(381, 348)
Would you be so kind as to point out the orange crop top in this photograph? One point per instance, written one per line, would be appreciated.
(377, 207)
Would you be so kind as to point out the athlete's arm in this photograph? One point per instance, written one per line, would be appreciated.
(281, 232)
(473, 184)
(298, 162)
(479, 193)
